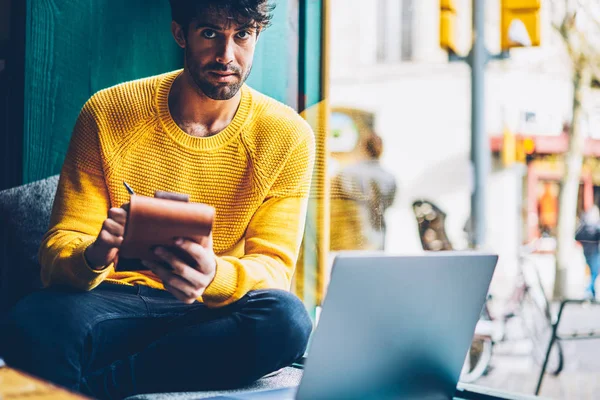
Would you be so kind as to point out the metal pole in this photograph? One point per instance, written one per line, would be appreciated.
(480, 151)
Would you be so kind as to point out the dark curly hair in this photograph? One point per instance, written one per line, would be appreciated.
(257, 12)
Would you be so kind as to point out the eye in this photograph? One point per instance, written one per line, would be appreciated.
(209, 34)
(243, 35)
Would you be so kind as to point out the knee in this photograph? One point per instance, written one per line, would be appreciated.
(290, 312)
(286, 322)
(26, 317)
(20, 329)
(38, 321)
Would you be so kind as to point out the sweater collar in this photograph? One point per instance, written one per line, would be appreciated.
(193, 142)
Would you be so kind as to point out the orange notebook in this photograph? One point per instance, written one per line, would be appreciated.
(159, 221)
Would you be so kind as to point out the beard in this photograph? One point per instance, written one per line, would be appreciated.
(218, 90)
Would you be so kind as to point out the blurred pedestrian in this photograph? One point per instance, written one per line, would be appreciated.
(548, 210)
(588, 234)
(361, 194)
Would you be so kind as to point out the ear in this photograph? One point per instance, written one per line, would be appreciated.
(178, 34)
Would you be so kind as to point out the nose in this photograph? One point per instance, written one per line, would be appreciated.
(225, 52)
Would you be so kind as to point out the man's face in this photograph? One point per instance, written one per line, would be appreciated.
(218, 54)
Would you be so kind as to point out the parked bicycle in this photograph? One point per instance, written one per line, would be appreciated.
(527, 302)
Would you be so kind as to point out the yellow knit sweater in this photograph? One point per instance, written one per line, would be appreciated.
(256, 173)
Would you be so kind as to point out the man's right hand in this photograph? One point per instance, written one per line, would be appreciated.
(104, 249)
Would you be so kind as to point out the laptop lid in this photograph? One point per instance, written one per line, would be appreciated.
(396, 326)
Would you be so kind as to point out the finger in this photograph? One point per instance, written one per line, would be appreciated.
(111, 255)
(163, 274)
(203, 257)
(188, 292)
(181, 288)
(99, 256)
(108, 240)
(179, 267)
(179, 295)
(159, 194)
(158, 269)
(113, 227)
(118, 214)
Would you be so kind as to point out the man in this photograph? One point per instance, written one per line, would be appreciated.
(548, 210)
(227, 320)
(361, 194)
(588, 234)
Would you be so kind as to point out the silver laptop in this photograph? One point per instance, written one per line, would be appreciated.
(393, 327)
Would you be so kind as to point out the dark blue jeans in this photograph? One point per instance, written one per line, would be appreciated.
(117, 340)
(592, 259)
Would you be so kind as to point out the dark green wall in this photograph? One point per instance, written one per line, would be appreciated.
(77, 47)
(275, 68)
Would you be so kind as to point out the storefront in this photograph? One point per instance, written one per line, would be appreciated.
(544, 157)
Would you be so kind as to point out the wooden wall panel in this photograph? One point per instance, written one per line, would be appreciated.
(75, 48)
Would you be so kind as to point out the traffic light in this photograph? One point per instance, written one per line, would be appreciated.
(528, 146)
(448, 25)
(516, 148)
(525, 148)
(520, 23)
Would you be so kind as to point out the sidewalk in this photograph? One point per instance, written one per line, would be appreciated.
(580, 378)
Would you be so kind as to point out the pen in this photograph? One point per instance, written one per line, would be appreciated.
(129, 189)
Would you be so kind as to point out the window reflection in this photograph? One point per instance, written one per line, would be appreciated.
(361, 189)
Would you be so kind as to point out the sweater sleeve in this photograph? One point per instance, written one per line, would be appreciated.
(80, 207)
(273, 237)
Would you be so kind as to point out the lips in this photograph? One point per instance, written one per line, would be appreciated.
(220, 73)
(223, 77)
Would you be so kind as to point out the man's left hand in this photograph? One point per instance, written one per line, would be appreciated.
(185, 282)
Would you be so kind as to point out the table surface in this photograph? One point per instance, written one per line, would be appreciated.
(18, 385)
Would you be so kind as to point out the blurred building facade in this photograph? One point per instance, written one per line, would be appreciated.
(385, 59)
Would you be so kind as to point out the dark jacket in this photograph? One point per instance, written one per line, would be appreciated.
(589, 236)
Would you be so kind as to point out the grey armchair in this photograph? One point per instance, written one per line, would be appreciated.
(24, 218)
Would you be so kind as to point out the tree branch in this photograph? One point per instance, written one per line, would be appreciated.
(557, 15)
(581, 51)
(593, 17)
(574, 55)
(590, 55)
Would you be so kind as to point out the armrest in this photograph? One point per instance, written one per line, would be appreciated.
(24, 217)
